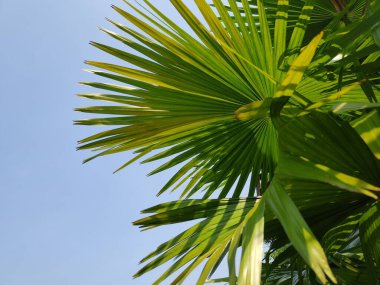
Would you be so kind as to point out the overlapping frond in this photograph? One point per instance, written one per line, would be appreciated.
(226, 222)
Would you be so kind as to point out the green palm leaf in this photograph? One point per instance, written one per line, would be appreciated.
(244, 101)
(225, 221)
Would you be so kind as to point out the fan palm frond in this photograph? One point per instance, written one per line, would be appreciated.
(276, 97)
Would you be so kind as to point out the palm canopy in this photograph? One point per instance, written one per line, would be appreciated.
(276, 97)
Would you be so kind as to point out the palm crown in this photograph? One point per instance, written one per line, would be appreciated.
(269, 109)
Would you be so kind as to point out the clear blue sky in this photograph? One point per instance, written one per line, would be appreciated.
(63, 223)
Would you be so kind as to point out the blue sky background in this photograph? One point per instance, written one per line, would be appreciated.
(64, 223)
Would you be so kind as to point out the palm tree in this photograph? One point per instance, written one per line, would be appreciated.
(269, 109)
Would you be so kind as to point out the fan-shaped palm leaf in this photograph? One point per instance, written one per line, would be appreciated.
(228, 101)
